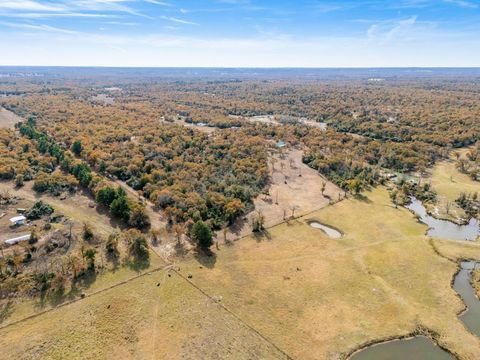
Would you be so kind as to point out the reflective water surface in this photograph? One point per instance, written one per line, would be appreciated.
(463, 286)
(417, 348)
(443, 228)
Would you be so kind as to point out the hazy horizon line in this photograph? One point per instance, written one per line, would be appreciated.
(238, 67)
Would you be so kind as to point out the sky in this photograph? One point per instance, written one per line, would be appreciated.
(240, 33)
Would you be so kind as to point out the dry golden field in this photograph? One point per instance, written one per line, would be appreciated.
(294, 292)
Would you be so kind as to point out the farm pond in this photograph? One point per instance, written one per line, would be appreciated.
(331, 232)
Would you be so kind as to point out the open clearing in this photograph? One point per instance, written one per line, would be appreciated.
(384, 277)
(180, 121)
(75, 206)
(276, 121)
(449, 183)
(8, 119)
(288, 190)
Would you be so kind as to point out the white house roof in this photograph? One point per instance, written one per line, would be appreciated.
(18, 218)
(17, 239)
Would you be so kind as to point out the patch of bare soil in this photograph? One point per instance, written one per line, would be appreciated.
(102, 99)
(295, 190)
(180, 121)
(8, 119)
(264, 119)
(280, 120)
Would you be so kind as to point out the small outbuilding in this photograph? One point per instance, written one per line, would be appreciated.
(18, 239)
(18, 220)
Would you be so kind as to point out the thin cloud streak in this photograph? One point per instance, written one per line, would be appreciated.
(57, 15)
(42, 27)
(156, 2)
(462, 3)
(29, 5)
(177, 20)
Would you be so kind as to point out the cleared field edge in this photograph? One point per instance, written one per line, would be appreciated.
(168, 267)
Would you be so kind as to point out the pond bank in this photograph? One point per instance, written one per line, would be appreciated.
(444, 228)
(417, 347)
(328, 230)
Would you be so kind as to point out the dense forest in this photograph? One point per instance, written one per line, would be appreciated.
(195, 153)
(132, 131)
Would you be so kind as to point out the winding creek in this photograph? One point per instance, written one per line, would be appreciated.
(443, 228)
(420, 347)
(463, 286)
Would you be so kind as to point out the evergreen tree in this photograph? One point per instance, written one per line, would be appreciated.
(202, 234)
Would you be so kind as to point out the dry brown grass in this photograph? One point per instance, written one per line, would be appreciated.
(143, 321)
(288, 191)
(456, 250)
(181, 122)
(476, 280)
(449, 183)
(311, 296)
(320, 298)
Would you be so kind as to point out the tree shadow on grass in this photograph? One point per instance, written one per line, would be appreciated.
(114, 222)
(262, 235)
(180, 250)
(6, 310)
(292, 221)
(56, 296)
(362, 198)
(86, 278)
(229, 242)
(237, 227)
(137, 265)
(206, 257)
(113, 258)
(268, 200)
(52, 297)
